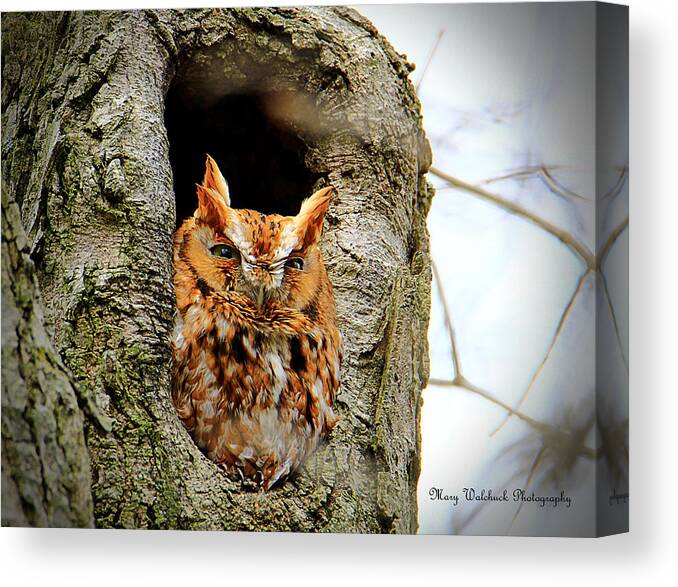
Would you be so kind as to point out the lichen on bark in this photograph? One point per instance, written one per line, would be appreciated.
(86, 155)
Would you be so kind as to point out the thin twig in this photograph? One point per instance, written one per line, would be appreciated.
(611, 239)
(530, 476)
(554, 339)
(448, 319)
(573, 244)
(461, 381)
(616, 188)
(518, 173)
(613, 314)
(556, 187)
(600, 258)
(431, 55)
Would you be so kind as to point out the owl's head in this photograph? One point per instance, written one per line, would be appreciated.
(264, 256)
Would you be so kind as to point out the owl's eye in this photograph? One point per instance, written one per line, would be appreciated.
(223, 251)
(295, 263)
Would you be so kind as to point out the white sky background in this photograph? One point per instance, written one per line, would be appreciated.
(510, 87)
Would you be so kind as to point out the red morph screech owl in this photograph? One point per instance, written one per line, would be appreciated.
(256, 350)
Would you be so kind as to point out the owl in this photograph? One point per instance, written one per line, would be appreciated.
(256, 350)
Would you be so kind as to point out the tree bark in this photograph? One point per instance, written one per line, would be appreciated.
(86, 157)
(45, 465)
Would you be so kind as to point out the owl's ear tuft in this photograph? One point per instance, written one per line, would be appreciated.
(309, 221)
(212, 210)
(215, 181)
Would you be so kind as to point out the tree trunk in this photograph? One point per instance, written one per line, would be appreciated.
(105, 115)
(45, 465)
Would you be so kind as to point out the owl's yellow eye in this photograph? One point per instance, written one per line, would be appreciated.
(224, 251)
(295, 263)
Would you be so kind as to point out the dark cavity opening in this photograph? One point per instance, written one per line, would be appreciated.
(261, 157)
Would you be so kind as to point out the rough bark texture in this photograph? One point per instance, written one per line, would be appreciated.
(85, 155)
(45, 465)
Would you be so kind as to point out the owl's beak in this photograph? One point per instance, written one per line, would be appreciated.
(260, 281)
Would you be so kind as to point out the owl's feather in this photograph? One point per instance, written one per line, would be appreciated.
(256, 351)
(215, 181)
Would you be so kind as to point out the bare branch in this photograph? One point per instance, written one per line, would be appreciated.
(556, 187)
(431, 55)
(528, 481)
(616, 188)
(525, 172)
(461, 381)
(572, 243)
(600, 258)
(448, 320)
(613, 315)
(554, 339)
(611, 239)
(543, 428)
